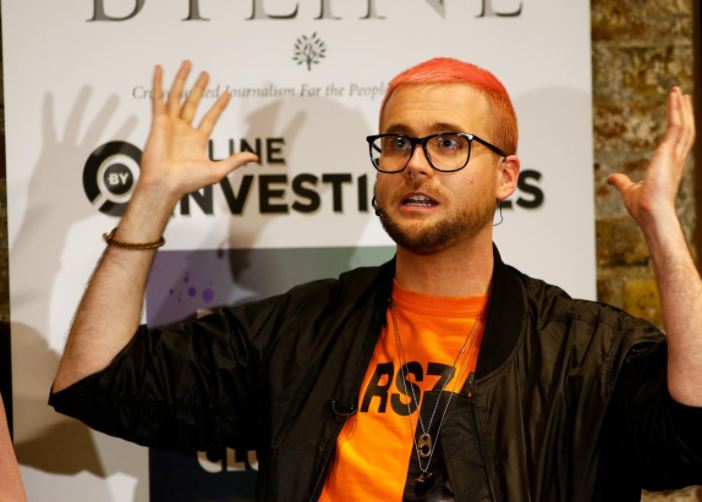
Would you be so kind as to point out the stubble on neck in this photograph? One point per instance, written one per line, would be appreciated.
(461, 269)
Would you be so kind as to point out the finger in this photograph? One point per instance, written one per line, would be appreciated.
(157, 104)
(176, 93)
(226, 166)
(684, 139)
(212, 115)
(194, 98)
(672, 131)
(620, 181)
(689, 114)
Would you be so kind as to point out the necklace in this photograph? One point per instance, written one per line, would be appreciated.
(424, 446)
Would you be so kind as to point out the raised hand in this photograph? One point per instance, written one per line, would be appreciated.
(652, 200)
(174, 163)
(175, 160)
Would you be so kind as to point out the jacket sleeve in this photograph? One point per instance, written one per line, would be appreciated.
(660, 438)
(189, 386)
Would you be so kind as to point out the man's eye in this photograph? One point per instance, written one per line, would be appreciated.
(400, 143)
(448, 143)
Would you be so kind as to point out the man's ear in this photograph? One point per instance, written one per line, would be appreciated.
(507, 173)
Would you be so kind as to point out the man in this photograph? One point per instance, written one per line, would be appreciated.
(442, 375)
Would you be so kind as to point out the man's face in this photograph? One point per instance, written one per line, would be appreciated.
(461, 204)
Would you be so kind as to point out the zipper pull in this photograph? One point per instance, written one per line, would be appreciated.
(343, 410)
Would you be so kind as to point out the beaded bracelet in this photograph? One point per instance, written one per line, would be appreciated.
(136, 246)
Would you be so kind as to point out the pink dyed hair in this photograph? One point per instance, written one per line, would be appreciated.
(452, 71)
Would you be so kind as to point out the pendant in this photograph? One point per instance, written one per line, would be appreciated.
(424, 445)
(423, 478)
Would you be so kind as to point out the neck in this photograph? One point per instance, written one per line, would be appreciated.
(464, 269)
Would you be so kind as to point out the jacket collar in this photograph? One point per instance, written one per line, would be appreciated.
(504, 318)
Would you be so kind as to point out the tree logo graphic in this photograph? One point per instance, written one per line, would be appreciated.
(309, 50)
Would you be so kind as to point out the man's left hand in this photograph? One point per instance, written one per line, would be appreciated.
(653, 199)
(651, 203)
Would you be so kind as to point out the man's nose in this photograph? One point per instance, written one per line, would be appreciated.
(418, 164)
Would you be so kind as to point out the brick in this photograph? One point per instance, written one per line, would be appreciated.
(646, 20)
(626, 73)
(628, 126)
(620, 242)
(610, 290)
(640, 298)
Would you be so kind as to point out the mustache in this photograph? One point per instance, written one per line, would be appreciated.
(413, 184)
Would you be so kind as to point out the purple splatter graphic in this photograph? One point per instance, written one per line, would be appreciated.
(191, 292)
(208, 295)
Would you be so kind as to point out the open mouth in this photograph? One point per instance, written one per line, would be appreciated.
(419, 201)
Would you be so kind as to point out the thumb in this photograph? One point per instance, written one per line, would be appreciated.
(619, 181)
(225, 166)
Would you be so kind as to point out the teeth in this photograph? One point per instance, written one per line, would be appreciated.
(419, 200)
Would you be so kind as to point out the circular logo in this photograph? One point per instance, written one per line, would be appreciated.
(109, 175)
(118, 179)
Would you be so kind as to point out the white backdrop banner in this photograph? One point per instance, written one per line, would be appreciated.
(307, 77)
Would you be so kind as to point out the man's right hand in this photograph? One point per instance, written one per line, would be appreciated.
(175, 162)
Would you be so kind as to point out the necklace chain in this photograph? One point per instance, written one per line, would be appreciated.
(426, 439)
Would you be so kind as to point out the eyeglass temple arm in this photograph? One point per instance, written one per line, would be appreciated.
(492, 147)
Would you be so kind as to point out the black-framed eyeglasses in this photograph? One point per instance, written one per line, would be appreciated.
(446, 152)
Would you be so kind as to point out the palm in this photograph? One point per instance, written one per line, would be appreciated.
(174, 155)
(175, 146)
(656, 193)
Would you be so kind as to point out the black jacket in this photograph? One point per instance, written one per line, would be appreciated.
(569, 400)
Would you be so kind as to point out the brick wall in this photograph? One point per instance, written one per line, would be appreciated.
(640, 49)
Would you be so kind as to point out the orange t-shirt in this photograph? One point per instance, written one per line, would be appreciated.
(374, 447)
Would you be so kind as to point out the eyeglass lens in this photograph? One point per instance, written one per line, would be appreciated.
(446, 152)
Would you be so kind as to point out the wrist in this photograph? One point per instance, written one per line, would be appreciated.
(146, 215)
(658, 220)
(664, 235)
(158, 192)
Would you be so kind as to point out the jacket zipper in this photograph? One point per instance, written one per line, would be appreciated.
(330, 449)
(331, 446)
(483, 456)
(368, 352)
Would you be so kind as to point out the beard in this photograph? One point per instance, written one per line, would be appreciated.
(428, 239)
